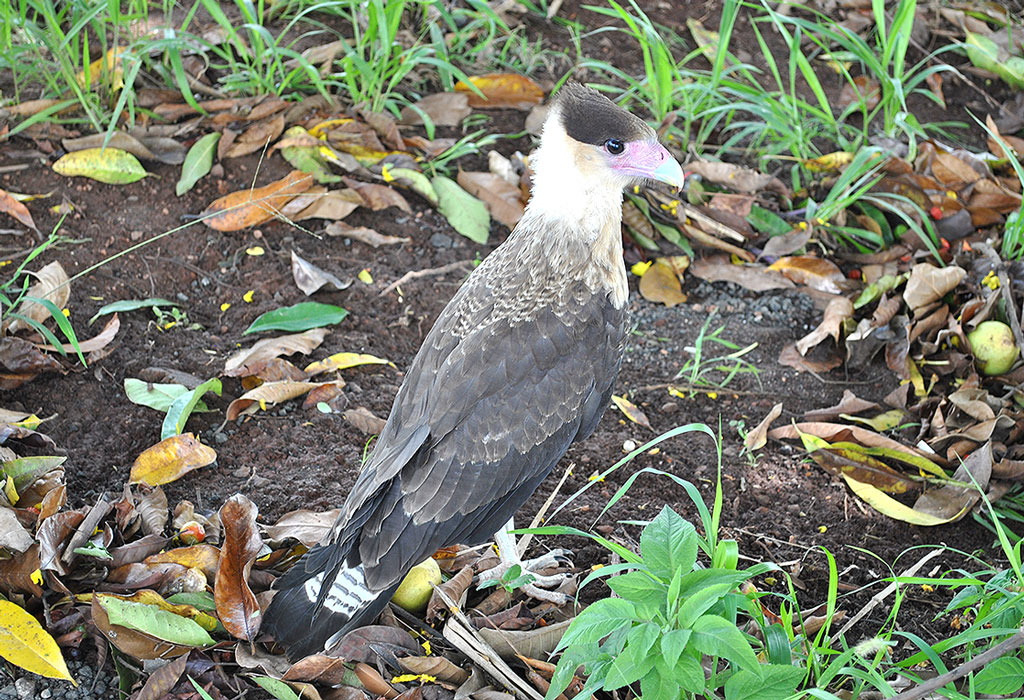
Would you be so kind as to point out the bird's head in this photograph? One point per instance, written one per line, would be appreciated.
(591, 149)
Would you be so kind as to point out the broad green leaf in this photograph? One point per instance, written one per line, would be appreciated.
(1003, 676)
(156, 396)
(201, 600)
(25, 643)
(467, 214)
(986, 54)
(765, 221)
(673, 643)
(155, 622)
(598, 621)
(769, 682)
(689, 673)
(639, 588)
(24, 470)
(416, 181)
(633, 663)
(197, 163)
(110, 165)
(183, 406)
(279, 689)
(132, 305)
(700, 602)
(668, 544)
(715, 636)
(656, 685)
(300, 317)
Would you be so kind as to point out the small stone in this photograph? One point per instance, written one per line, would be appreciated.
(25, 688)
(182, 296)
(669, 407)
(45, 693)
(241, 472)
(440, 240)
(220, 438)
(628, 446)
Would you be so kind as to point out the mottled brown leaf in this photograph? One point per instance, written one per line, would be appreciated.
(251, 207)
(238, 365)
(364, 420)
(237, 607)
(170, 459)
(307, 526)
(17, 210)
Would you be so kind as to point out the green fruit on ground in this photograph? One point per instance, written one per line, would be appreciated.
(414, 592)
(994, 348)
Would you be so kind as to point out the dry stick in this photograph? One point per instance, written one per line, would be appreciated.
(430, 272)
(539, 517)
(1002, 649)
(879, 597)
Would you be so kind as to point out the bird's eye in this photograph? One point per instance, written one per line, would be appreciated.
(614, 146)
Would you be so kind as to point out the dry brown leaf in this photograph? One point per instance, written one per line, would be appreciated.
(266, 395)
(52, 284)
(17, 573)
(817, 273)
(791, 357)
(443, 109)
(834, 432)
(756, 278)
(631, 411)
(736, 178)
(97, 342)
(358, 645)
(237, 607)
(454, 588)
(307, 526)
(238, 364)
(437, 666)
(11, 206)
(952, 171)
(252, 207)
(364, 420)
(319, 668)
(787, 243)
(203, 557)
(838, 310)
(849, 404)
(660, 285)
(362, 234)
(864, 89)
(378, 197)
(758, 437)
(332, 205)
(310, 278)
(500, 196)
(502, 91)
(21, 361)
(170, 459)
(1015, 143)
(928, 283)
(954, 502)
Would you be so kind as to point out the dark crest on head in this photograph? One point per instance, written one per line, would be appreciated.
(590, 117)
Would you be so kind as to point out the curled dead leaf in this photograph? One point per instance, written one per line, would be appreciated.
(237, 606)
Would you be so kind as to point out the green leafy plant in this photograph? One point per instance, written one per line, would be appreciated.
(702, 371)
(14, 293)
(512, 579)
(298, 317)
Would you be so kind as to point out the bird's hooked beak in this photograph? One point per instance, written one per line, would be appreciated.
(650, 160)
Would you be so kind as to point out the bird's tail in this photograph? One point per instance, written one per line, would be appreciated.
(318, 600)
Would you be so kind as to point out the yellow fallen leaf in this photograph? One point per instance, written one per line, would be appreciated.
(170, 459)
(110, 62)
(343, 360)
(110, 165)
(25, 643)
(828, 162)
(889, 506)
(631, 411)
(502, 90)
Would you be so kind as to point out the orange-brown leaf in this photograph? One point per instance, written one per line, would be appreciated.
(251, 207)
(237, 606)
(9, 205)
(502, 90)
(817, 273)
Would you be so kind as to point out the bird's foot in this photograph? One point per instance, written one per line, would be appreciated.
(532, 568)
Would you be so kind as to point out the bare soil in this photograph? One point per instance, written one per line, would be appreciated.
(780, 507)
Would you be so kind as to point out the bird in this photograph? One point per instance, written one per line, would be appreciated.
(518, 366)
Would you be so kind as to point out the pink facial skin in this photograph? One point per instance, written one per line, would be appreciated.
(649, 160)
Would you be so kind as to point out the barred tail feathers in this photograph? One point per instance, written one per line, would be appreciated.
(308, 615)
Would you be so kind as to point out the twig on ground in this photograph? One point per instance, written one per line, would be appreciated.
(883, 594)
(932, 684)
(539, 517)
(429, 272)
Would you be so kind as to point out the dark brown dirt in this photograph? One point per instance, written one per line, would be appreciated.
(780, 507)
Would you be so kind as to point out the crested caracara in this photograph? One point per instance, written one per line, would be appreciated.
(518, 366)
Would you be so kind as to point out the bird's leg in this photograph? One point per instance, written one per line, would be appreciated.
(508, 553)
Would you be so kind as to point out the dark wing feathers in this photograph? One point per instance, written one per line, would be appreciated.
(516, 396)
